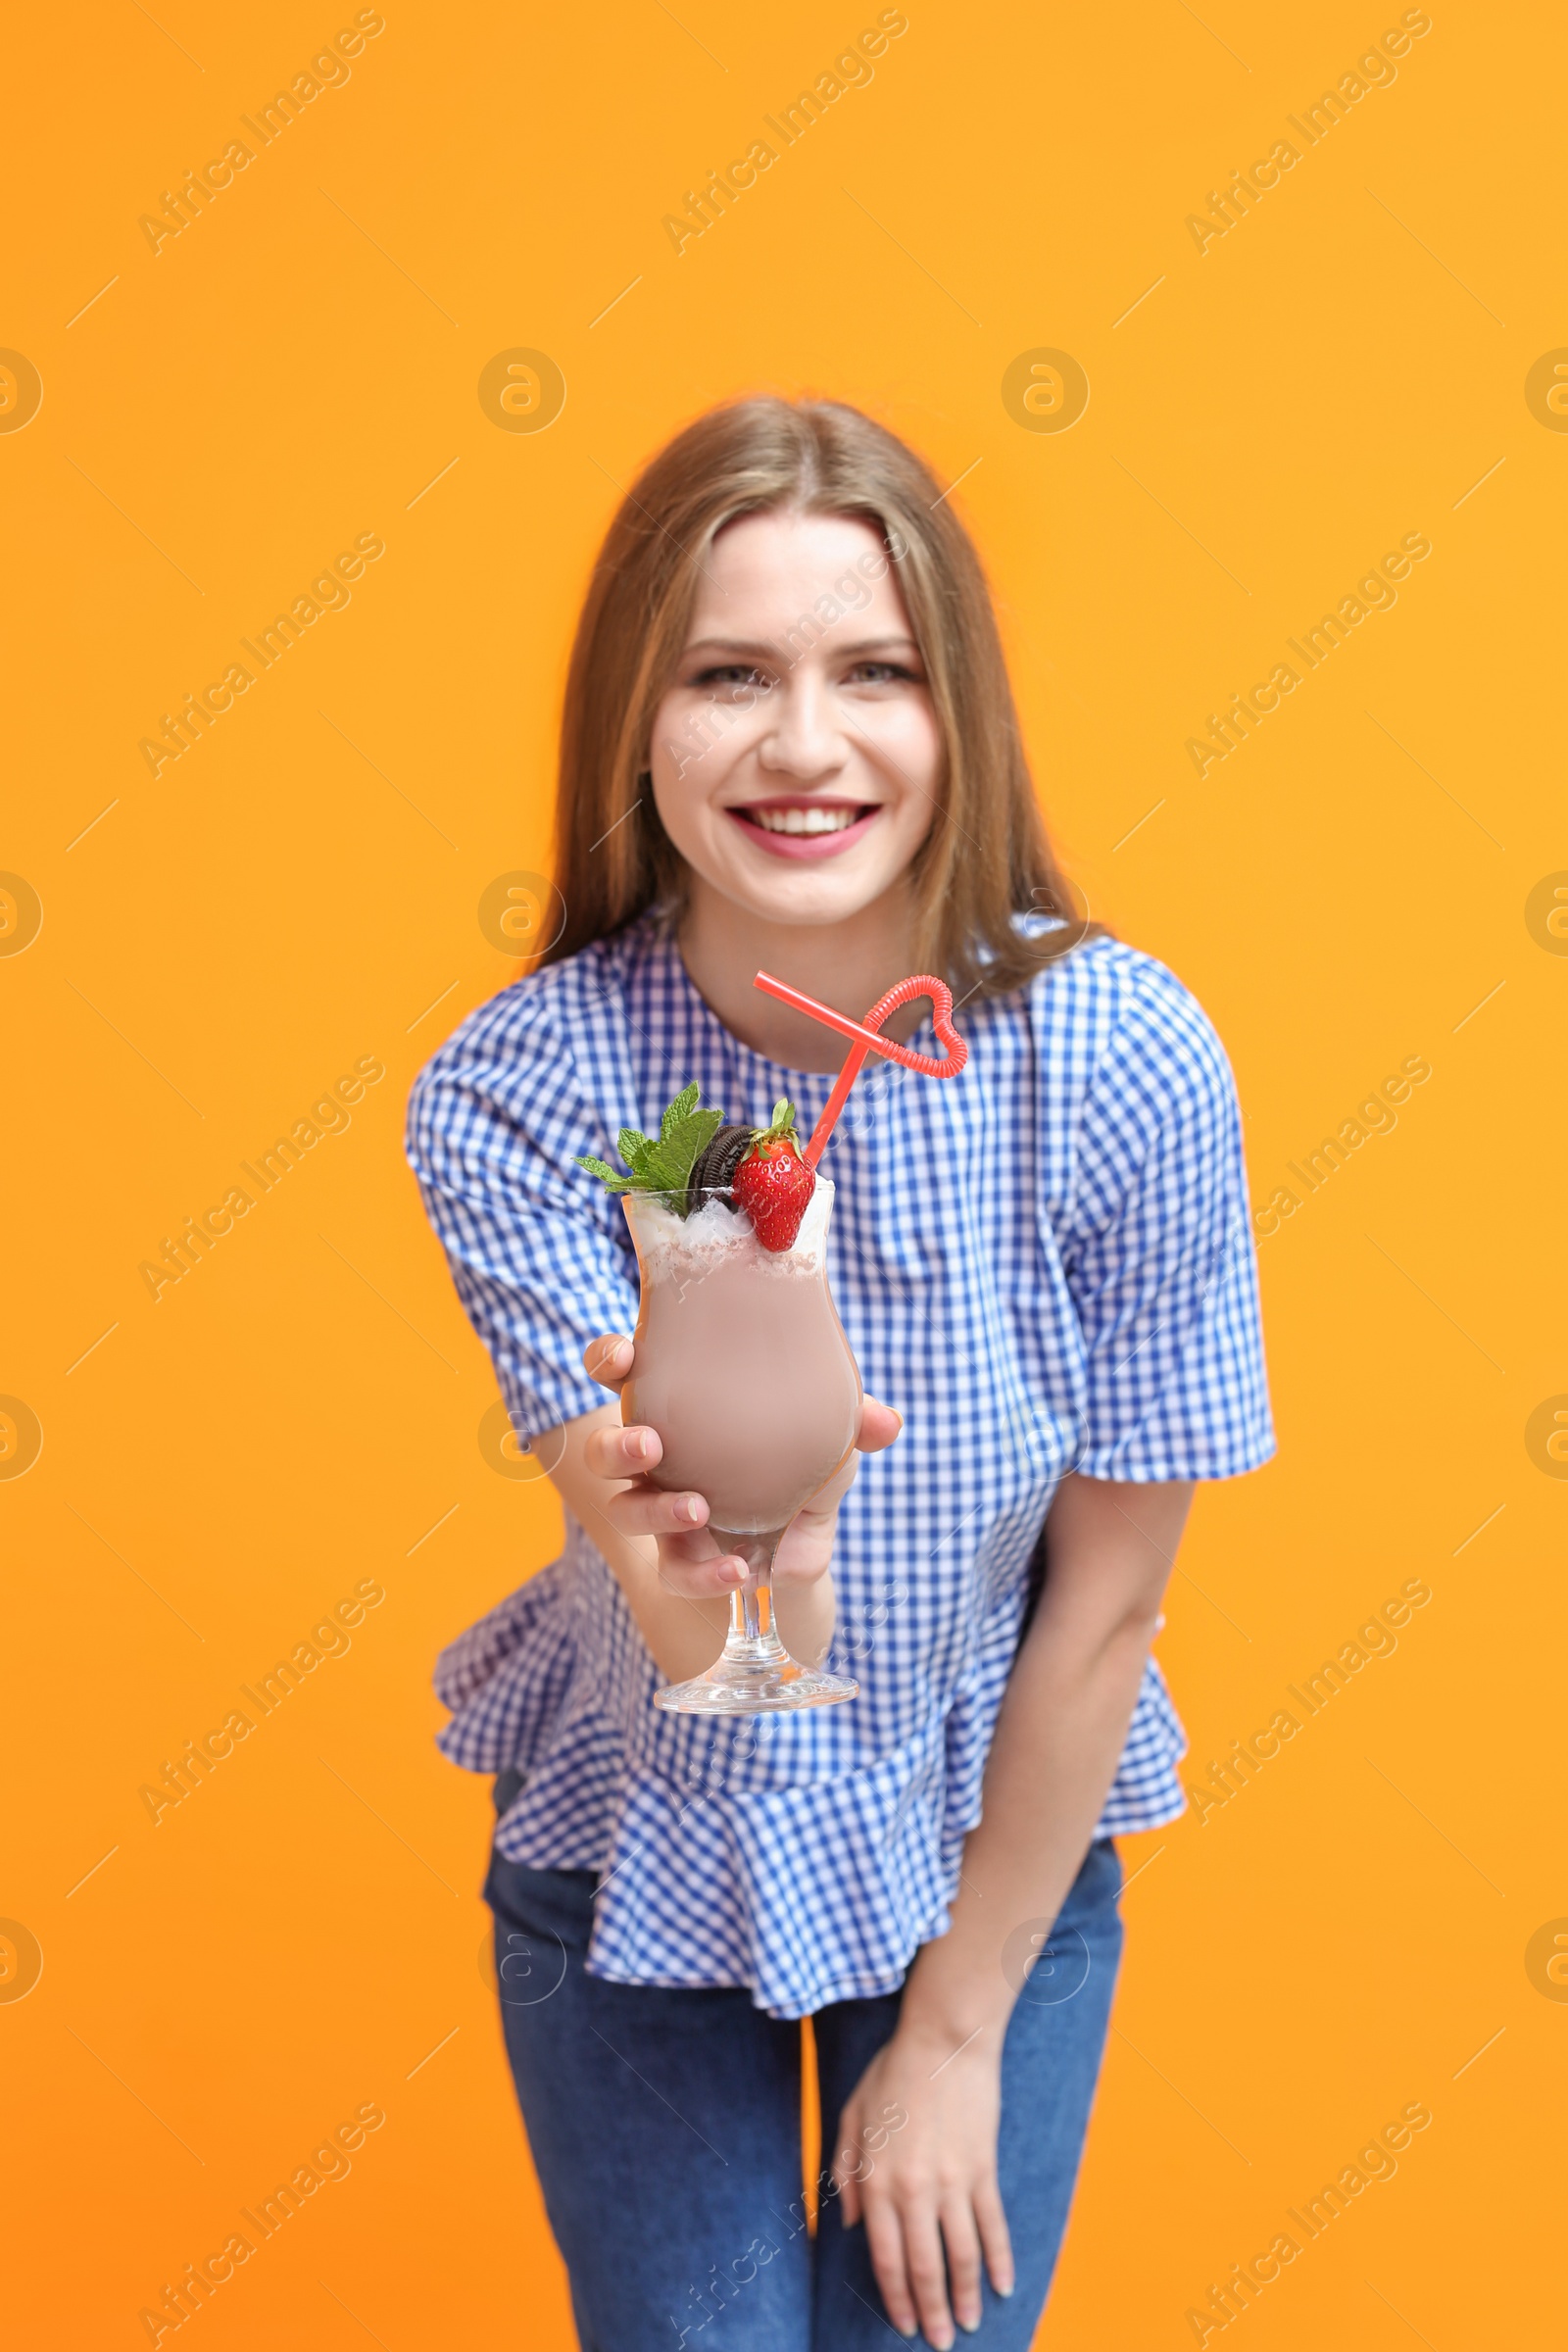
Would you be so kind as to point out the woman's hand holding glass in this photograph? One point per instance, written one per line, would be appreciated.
(690, 1561)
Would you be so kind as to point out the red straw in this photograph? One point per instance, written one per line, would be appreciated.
(866, 1040)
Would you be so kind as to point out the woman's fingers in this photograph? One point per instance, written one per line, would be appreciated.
(646, 1510)
(993, 2236)
(927, 2273)
(608, 1359)
(713, 1579)
(884, 2241)
(879, 1426)
(611, 1452)
(918, 2263)
(694, 1566)
(846, 2180)
(848, 2163)
(963, 2241)
(690, 1562)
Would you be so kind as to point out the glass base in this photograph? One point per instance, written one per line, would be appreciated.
(755, 1675)
(739, 1687)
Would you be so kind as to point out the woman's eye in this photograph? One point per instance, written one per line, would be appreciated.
(733, 674)
(880, 673)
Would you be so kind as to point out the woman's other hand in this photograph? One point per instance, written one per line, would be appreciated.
(929, 2199)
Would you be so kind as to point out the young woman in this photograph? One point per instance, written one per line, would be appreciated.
(788, 742)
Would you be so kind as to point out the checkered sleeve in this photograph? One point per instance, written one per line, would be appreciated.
(1158, 1252)
(532, 1241)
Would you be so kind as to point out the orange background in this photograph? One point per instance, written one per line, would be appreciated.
(299, 890)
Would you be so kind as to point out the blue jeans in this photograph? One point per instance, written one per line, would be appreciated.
(666, 2131)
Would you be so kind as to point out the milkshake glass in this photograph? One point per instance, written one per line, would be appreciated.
(743, 1368)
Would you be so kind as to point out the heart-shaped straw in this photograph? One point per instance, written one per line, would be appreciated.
(865, 1040)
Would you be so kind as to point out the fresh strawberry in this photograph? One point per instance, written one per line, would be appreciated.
(773, 1182)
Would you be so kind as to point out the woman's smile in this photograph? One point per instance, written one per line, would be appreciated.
(800, 825)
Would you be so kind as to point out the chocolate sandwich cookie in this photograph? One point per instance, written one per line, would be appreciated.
(714, 1169)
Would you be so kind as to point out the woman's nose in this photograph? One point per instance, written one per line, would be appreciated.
(804, 739)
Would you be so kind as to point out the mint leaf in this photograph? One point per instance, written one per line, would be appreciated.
(668, 1167)
(684, 1105)
(661, 1163)
(606, 1174)
(685, 1140)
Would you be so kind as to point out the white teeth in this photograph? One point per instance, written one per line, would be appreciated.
(804, 820)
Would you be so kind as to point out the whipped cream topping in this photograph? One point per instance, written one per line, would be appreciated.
(713, 1234)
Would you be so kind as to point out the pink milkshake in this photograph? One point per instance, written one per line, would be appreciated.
(742, 1365)
(743, 1368)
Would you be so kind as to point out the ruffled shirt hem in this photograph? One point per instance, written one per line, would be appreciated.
(808, 1895)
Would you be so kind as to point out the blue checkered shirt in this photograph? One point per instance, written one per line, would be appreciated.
(1044, 1263)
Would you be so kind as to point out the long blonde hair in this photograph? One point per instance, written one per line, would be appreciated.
(986, 858)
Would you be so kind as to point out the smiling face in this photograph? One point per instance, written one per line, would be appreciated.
(796, 756)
